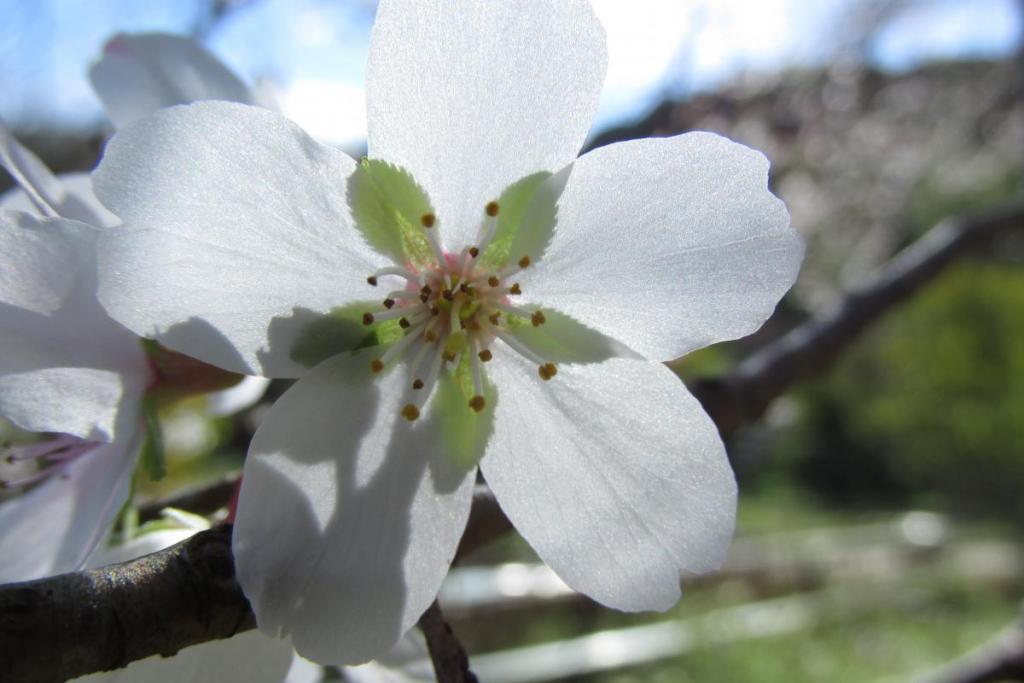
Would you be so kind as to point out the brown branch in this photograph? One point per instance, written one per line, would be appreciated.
(451, 664)
(65, 626)
(1001, 659)
(102, 619)
(743, 395)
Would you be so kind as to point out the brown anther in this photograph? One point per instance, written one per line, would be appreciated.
(367, 318)
(425, 289)
(547, 371)
(491, 209)
(417, 384)
(514, 289)
(428, 220)
(485, 355)
(524, 262)
(403, 323)
(371, 281)
(493, 281)
(448, 356)
(448, 295)
(435, 310)
(376, 366)
(494, 317)
(424, 298)
(410, 412)
(473, 325)
(538, 319)
(474, 252)
(388, 303)
(430, 336)
(477, 403)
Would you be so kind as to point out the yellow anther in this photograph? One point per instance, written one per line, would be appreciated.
(538, 319)
(428, 220)
(491, 209)
(477, 403)
(371, 281)
(485, 355)
(417, 384)
(524, 262)
(410, 412)
(514, 289)
(367, 318)
(547, 371)
(388, 303)
(376, 365)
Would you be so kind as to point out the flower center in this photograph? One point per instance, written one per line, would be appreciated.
(452, 309)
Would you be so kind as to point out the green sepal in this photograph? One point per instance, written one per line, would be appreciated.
(152, 457)
(388, 206)
(513, 202)
(562, 339)
(342, 330)
(464, 432)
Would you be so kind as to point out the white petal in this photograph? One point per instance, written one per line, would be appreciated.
(77, 201)
(614, 474)
(141, 73)
(349, 515)
(406, 662)
(471, 96)
(669, 244)
(64, 364)
(237, 398)
(54, 527)
(35, 179)
(237, 235)
(246, 657)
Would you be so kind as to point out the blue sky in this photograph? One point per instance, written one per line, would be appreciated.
(311, 53)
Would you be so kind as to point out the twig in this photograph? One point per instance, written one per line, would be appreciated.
(743, 395)
(447, 654)
(65, 626)
(1001, 659)
(187, 594)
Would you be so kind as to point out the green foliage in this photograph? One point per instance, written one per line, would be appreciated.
(153, 458)
(465, 431)
(931, 401)
(514, 202)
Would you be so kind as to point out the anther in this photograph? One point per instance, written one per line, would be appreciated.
(434, 310)
(367, 318)
(477, 403)
(371, 281)
(474, 252)
(430, 336)
(428, 220)
(547, 371)
(493, 281)
(538, 319)
(417, 384)
(376, 365)
(495, 318)
(464, 288)
(491, 209)
(410, 412)
(424, 298)
(485, 355)
(514, 289)
(448, 356)
(524, 262)
(473, 325)
(425, 289)
(403, 323)
(388, 303)
(447, 294)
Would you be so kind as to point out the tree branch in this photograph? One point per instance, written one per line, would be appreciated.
(69, 625)
(446, 652)
(103, 619)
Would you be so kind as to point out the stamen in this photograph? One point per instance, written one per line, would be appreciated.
(376, 365)
(410, 412)
(392, 270)
(477, 403)
(368, 318)
(489, 226)
(394, 313)
(493, 281)
(547, 371)
(474, 252)
(429, 220)
(485, 355)
(514, 310)
(538, 319)
(398, 347)
(515, 289)
(417, 383)
(372, 281)
(388, 303)
(520, 348)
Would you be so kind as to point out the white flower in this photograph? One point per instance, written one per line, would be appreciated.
(66, 367)
(250, 246)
